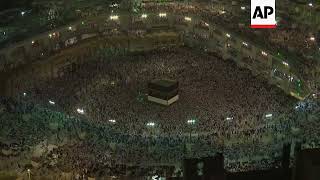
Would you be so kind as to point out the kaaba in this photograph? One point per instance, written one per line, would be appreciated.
(163, 91)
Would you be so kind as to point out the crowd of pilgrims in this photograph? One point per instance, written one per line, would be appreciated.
(213, 92)
(289, 36)
(71, 144)
(228, 104)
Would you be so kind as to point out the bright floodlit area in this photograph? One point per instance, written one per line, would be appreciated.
(159, 90)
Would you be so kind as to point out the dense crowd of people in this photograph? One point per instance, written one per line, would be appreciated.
(94, 119)
(235, 113)
(289, 37)
(116, 89)
(292, 41)
(96, 149)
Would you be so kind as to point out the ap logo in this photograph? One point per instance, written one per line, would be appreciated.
(263, 14)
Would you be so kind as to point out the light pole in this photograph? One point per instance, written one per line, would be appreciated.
(29, 174)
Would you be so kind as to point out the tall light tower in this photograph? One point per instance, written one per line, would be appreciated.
(29, 174)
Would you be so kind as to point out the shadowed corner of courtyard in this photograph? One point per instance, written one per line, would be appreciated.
(4, 175)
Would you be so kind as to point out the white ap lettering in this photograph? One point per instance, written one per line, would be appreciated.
(268, 10)
(263, 14)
